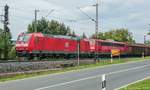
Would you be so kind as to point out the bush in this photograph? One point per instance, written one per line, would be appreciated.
(12, 53)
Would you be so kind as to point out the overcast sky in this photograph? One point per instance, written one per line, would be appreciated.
(131, 14)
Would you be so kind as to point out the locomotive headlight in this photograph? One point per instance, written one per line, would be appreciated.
(92, 47)
(22, 45)
(25, 45)
(18, 45)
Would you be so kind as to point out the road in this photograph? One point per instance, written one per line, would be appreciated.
(87, 79)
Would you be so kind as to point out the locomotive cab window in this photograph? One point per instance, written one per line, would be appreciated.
(24, 38)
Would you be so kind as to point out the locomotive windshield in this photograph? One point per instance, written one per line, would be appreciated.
(24, 38)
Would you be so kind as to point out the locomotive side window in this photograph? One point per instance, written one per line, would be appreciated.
(106, 44)
(119, 45)
(112, 44)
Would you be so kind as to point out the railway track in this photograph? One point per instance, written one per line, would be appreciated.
(23, 66)
(11, 61)
(49, 60)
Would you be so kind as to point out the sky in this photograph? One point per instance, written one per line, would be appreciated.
(131, 14)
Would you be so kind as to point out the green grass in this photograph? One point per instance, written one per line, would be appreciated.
(83, 66)
(143, 85)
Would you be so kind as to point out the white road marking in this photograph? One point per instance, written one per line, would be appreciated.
(69, 82)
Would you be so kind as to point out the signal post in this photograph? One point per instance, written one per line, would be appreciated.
(6, 29)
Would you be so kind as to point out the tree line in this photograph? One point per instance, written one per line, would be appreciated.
(120, 35)
(50, 27)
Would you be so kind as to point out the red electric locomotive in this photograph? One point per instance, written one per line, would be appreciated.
(38, 44)
(104, 47)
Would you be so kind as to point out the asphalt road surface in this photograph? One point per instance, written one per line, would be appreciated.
(88, 79)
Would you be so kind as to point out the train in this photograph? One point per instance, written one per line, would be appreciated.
(44, 45)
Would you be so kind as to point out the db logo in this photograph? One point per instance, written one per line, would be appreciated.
(66, 44)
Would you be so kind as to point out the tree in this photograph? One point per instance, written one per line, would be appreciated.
(147, 42)
(5, 43)
(12, 53)
(120, 35)
(84, 36)
(1, 43)
(49, 27)
(148, 32)
(42, 26)
(101, 36)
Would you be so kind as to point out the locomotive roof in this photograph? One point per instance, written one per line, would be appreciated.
(110, 41)
(50, 35)
(61, 36)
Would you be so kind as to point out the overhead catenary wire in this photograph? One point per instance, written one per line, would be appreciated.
(86, 14)
(50, 12)
(23, 10)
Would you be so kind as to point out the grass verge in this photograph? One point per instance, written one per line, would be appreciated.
(143, 85)
(83, 66)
